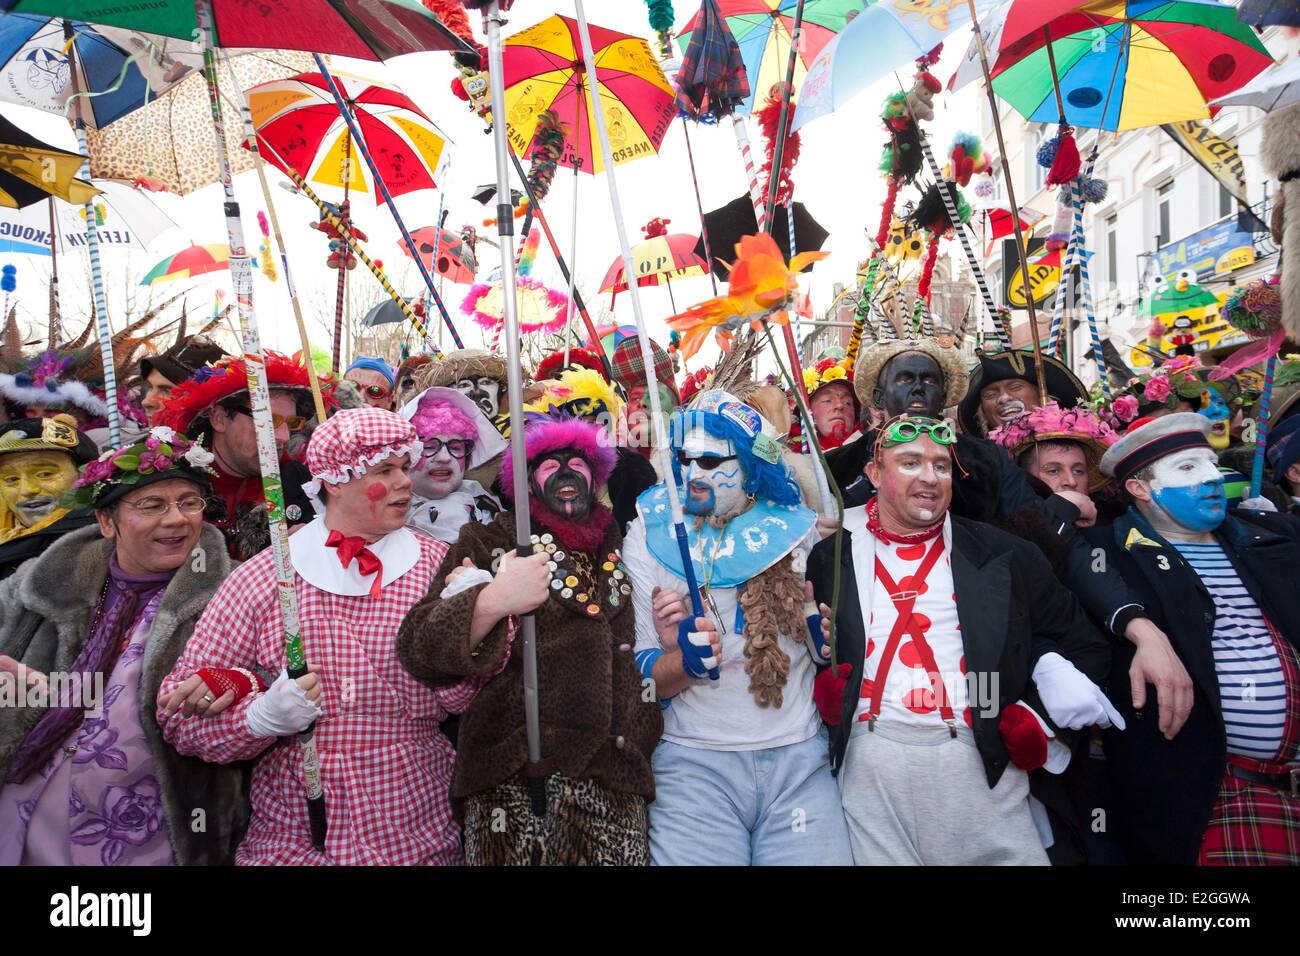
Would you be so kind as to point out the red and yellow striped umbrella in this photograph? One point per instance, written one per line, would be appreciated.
(661, 258)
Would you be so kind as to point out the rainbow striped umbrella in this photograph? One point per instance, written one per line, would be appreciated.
(762, 28)
(194, 261)
(1121, 65)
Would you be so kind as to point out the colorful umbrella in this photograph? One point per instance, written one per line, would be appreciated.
(127, 219)
(370, 30)
(670, 256)
(881, 39)
(165, 145)
(1274, 89)
(543, 71)
(299, 120)
(610, 337)
(997, 223)
(711, 81)
(125, 69)
(194, 261)
(762, 30)
(456, 260)
(1121, 65)
(31, 170)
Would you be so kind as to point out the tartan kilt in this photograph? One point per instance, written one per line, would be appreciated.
(1253, 824)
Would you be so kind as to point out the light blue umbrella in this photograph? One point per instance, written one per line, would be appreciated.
(880, 40)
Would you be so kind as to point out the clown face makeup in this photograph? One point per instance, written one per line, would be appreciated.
(483, 391)
(440, 472)
(32, 481)
(561, 480)
(1217, 411)
(1188, 487)
(712, 475)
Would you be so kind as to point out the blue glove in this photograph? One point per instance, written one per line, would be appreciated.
(814, 616)
(697, 653)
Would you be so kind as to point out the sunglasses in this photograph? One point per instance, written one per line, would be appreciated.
(295, 423)
(707, 462)
(903, 430)
(377, 391)
(456, 447)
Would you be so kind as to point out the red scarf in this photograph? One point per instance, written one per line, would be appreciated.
(873, 525)
(585, 537)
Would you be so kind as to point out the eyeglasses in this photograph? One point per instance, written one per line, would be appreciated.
(295, 423)
(707, 462)
(377, 391)
(157, 507)
(456, 447)
(902, 430)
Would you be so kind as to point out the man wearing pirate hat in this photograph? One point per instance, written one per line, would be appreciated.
(1004, 386)
(39, 458)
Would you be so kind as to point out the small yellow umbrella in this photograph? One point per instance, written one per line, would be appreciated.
(31, 171)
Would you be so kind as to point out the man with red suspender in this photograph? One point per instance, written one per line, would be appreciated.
(968, 666)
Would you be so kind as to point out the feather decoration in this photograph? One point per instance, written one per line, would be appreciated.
(769, 121)
(267, 257)
(528, 252)
(541, 309)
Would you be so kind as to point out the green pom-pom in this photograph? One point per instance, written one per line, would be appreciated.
(661, 15)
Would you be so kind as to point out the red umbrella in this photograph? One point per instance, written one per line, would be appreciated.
(456, 261)
(299, 119)
(998, 223)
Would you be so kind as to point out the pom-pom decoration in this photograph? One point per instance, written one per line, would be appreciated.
(541, 309)
(1046, 154)
(1254, 308)
(9, 278)
(966, 158)
(1065, 161)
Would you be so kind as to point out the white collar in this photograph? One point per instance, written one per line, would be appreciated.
(320, 566)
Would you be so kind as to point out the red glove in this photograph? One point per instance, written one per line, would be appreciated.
(828, 693)
(1023, 734)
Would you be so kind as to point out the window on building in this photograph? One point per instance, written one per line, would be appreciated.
(1227, 205)
(1112, 250)
(1164, 213)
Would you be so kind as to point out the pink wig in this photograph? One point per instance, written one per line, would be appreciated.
(437, 416)
(544, 434)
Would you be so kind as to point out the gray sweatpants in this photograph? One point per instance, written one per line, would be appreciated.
(914, 796)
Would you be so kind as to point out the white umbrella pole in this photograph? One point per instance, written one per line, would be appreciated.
(634, 290)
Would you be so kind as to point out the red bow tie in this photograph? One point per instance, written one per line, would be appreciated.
(367, 562)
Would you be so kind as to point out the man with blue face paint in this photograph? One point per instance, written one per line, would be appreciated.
(742, 774)
(1226, 790)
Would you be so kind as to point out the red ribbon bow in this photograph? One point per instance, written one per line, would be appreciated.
(367, 562)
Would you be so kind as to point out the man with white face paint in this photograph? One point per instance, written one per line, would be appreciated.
(457, 436)
(1225, 791)
(741, 775)
(966, 667)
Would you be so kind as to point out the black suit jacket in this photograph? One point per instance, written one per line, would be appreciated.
(1165, 789)
(1012, 610)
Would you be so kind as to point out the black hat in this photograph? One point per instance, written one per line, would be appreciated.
(56, 433)
(183, 359)
(1062, 384)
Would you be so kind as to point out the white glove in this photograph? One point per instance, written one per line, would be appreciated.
(465, 579)
(1071, 699)
(283, 710)
(1258, 503)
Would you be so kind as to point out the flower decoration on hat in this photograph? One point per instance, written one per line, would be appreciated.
(1050, 422)
(161, 454)
(823, 373)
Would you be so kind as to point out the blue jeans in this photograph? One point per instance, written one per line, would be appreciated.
(775, 807)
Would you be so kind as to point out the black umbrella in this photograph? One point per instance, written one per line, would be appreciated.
(727, 225)
(1269, 13)
(384, 313)
(485, 193)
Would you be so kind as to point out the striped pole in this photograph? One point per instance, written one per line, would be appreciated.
(747, 156)
(103, 330)
(351, 121)
(946, 192)
(1067, 267)
(443, 171)
(1086, 286)
(789, 219)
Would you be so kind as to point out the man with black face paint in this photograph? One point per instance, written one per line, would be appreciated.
(925, 376)
(598, 727)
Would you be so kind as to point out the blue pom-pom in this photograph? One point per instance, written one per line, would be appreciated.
(1094, 190)
(1047, 152)
(9, 278)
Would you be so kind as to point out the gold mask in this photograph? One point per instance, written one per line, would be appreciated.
(31, 483)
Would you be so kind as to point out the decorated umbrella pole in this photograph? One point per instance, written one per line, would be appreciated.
(359, 142)
(100, 300)
(241, 273)
(643, 337)
(515, 385)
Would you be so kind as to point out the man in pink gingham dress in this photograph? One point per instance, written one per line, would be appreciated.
(385, 765)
